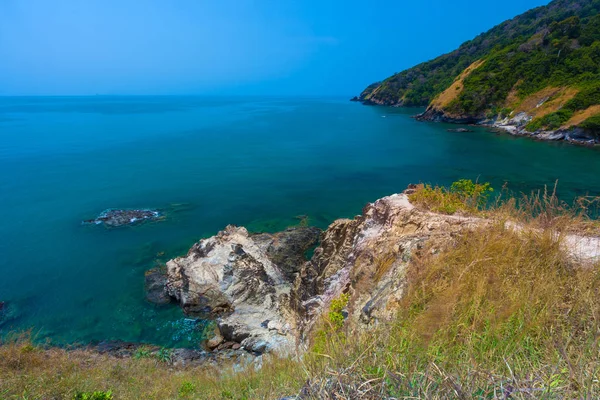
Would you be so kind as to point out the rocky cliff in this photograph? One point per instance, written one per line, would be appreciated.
(264, 298)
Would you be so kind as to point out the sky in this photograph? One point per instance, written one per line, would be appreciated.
(229, 47)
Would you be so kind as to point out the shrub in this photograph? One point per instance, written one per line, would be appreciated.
(186, 389)
(592, 124)
(464, 195)
(94, 396)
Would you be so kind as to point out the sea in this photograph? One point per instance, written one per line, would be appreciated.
(206, 162)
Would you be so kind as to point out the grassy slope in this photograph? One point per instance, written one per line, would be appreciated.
(496, 313)
(557, 46)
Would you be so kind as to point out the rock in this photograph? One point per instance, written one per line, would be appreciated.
(215, 341)
(115, 218)
(8, 312)
(287, 249)
(121, 349)
(231, 277)
(459, 130)
(155, 285)
(183, 358)
(367, 258)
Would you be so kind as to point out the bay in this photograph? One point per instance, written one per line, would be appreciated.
(209, 162)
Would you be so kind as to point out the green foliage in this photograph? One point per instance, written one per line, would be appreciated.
(592, 124)
(164, 355)
(555, 45)
(332, 325)
(468, 190)
(142, 352)
(94, 395)
(463, 195)
(588, 96)
(186, 389)
(336, 318)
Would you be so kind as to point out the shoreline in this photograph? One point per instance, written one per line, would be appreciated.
(515, 126)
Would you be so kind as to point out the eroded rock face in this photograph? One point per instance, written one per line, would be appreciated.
(367, 258)
(244, 282)
(287, 248)
(265, 298)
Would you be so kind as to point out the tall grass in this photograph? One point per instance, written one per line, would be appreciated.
(498, 314)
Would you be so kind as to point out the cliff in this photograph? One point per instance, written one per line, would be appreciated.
(262, 304)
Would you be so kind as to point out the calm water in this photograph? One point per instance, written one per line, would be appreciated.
(209, 162)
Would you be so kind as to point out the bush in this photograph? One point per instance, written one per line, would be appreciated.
(464, 195)
(94, 396)
(592, 124)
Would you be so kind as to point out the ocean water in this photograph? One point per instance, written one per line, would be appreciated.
(209, 162)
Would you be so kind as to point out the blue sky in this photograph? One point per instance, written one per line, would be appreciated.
(279, 47)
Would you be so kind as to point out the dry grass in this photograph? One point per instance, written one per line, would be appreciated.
(581, 116)
(553, 100)
(513, 99)
(383, 263)
(448, 95)
(29, 372)
(496, 314)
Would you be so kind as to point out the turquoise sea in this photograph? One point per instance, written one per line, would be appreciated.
(209, 162)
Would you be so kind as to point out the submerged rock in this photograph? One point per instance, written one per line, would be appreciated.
(155, 285)
(115, 218)
(8, 312)
(459, 130)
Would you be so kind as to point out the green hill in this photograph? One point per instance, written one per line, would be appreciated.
(545, 63)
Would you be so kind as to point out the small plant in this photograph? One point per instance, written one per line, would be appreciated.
(335, 316)
(186, 389)
(94, 395)
(164, 355)
(142, 352)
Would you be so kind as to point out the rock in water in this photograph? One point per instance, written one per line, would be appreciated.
(156, 290)
(236, 278)
(8, 312)
(116, 218)
(459, 130)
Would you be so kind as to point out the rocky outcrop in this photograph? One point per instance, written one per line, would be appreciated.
(514, 125)
(367, 258)
(266, 298)
(244, 282)
(435, 114)
(116, 218)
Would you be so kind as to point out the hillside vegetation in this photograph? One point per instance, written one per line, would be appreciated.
(552, 48)
(496, 313)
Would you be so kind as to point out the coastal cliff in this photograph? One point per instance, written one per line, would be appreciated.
(535, 75)
(264, 304)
